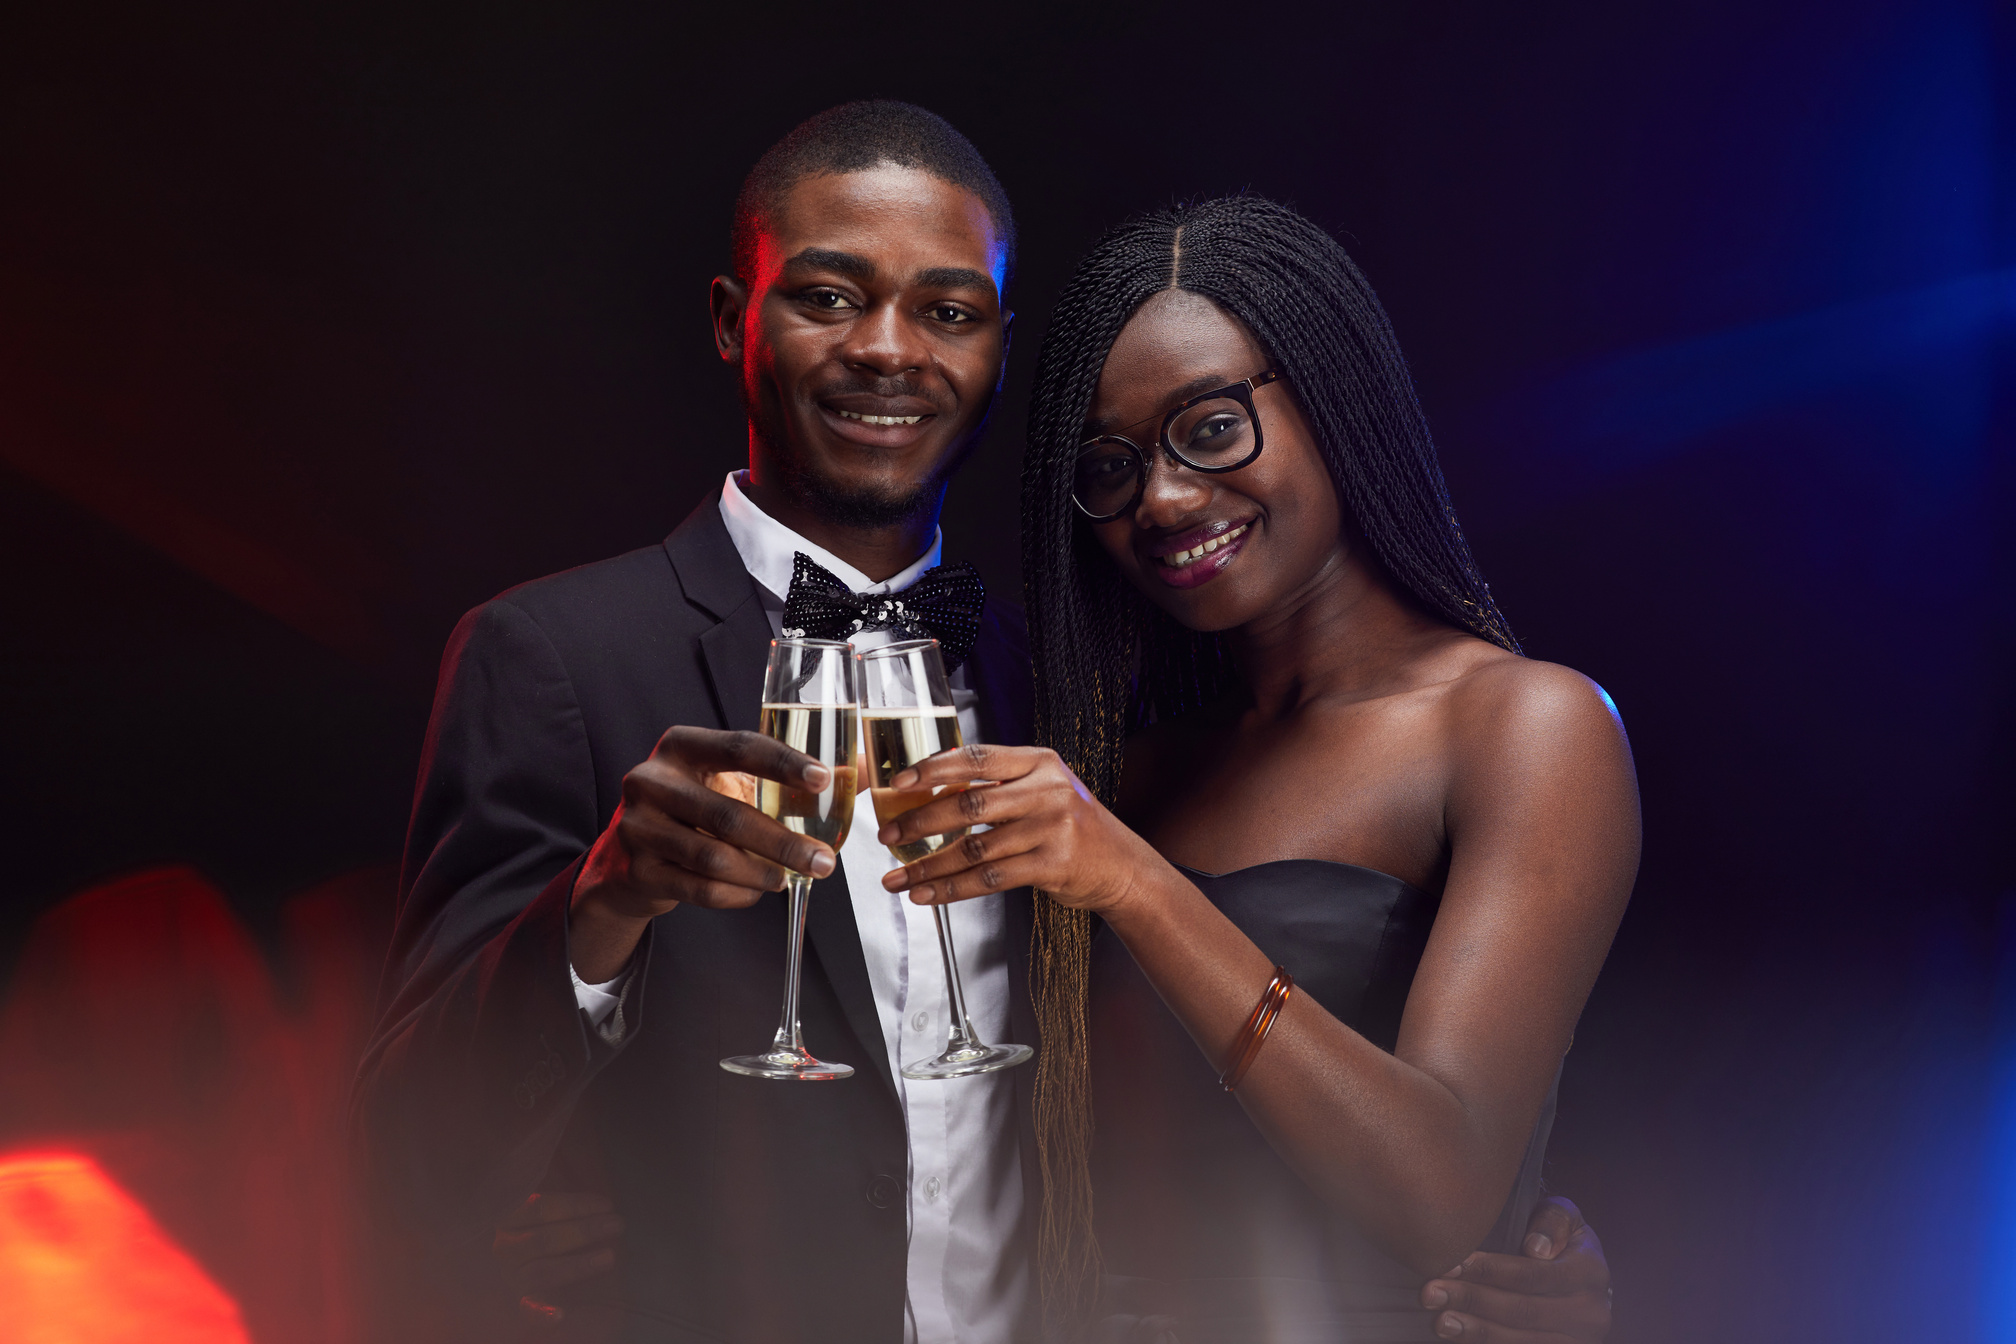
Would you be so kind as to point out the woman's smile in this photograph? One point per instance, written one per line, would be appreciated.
(1200, 555)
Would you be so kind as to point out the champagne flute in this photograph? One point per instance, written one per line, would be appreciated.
(907, 713)
(809, 703)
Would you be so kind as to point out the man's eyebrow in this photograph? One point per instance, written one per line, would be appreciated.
(1206, 382)
(954, 277)
(827, 259)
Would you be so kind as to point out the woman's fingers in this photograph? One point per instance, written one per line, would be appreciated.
(975, 760)
(983, 879)
(954, 810)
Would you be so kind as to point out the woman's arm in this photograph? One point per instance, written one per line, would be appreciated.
(1420, 1146)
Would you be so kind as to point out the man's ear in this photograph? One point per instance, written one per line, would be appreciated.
(729, 300)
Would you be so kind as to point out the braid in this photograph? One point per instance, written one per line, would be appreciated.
(1107, 661)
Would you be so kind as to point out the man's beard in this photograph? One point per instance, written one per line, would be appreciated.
(865, 507)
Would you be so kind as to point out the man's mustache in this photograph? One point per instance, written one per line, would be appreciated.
(874, 387)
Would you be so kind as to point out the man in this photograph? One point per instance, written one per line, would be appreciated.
(582, 936)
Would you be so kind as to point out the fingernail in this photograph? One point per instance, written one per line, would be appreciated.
(817, 775)
(1448, 1326)
(893, 880)
(905, 780)
(887, 833)
(1435, 1296)
(921, 895)
(1455, 1273)
(1539, 1246)
(822, 864)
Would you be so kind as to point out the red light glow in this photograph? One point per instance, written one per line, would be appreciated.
(82, 1263)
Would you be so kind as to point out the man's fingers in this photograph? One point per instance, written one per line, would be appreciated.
(538, 1277)
(712, 749)
(1572, 1271)
(521, 1245)
(1552, 1226)
(1572, 1316)
(692, 805)
(1468, 1329)
(557, 1207)
(691, 855)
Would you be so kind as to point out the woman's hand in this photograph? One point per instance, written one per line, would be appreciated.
(1045, 831)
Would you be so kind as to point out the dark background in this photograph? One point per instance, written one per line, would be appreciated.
(320, 324)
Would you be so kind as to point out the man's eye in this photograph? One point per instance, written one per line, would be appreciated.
(831, 300)
(951, 315)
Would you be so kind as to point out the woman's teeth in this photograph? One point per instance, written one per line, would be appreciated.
(1182, 558)
(879, 419)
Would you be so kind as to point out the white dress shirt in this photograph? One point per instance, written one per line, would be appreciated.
(965, 1179)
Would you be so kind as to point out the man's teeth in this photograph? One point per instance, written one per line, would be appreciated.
(879, 419)
(1182, 558)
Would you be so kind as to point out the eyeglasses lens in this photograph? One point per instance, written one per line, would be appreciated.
(1106, 477)
(1214, 434)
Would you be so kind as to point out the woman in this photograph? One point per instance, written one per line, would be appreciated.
(1241, 552)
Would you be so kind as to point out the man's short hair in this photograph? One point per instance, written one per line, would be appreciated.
(857, 136)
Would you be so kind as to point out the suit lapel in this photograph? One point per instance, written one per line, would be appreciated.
(713, 578)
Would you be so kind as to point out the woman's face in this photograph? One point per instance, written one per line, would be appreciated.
(1276, 521)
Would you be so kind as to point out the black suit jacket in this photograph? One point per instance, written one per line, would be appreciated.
(755, 1210)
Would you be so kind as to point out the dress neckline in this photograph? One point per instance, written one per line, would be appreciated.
(1278, 863)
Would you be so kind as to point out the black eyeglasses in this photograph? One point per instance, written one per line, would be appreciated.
(1217, 432)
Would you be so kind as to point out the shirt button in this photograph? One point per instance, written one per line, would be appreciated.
(884, 1191)
(931, 1188)
(920, 1020)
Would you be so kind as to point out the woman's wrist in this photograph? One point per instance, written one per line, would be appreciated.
(1149, 891)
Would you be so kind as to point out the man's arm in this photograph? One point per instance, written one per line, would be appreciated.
(482, 1053)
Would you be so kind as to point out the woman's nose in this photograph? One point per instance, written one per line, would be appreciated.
(1171, 494)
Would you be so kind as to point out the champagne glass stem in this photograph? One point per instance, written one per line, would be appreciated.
(799, 888)
(955, 993)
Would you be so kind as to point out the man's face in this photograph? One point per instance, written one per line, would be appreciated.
(870, 342)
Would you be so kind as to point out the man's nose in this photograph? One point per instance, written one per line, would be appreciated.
(884, 343)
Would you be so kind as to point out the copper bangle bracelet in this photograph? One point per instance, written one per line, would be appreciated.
(1257, 1026)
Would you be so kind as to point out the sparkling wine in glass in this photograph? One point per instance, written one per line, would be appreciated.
(809, 703)
(907, 715)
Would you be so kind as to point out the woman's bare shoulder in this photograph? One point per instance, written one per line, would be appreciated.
(1520, 713)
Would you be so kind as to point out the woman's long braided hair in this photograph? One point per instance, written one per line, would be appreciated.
(1106, 660)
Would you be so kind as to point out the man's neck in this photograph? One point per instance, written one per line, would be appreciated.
(879, 552)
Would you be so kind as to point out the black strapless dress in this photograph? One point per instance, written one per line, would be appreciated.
(1207, 1236)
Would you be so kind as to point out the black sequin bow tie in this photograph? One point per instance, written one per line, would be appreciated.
(944, 603)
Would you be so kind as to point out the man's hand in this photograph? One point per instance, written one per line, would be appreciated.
(553, 1242)
(1558, 1292)
(685, 833)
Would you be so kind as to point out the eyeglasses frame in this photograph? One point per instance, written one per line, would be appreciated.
(1241, 391)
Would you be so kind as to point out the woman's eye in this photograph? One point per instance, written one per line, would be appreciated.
(1214, 427)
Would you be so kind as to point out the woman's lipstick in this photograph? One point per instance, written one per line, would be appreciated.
(1199, 556)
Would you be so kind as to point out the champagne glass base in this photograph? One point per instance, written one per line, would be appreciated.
(786, 1065)
(966, 1060)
